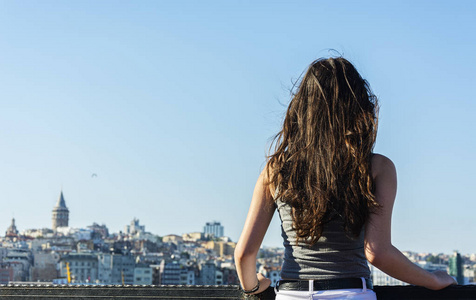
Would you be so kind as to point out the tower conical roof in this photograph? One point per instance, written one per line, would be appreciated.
(61, 203)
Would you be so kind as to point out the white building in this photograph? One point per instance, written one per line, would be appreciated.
(83, 267)
(469, 274)
(431, 267)
(79, 234)
(20, 261)
(209, 274)
(142, 275)
(115, 269)
(380, 278)
(134, 228)
(213, 229)
(169, 272)
(187, 277)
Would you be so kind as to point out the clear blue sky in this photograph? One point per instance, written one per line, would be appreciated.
(173, 103)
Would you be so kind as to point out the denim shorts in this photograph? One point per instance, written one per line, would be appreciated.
(341, 294)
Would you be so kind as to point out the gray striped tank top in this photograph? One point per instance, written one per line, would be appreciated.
(335, 255)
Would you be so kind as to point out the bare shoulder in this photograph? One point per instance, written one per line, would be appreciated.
(264, 179)
(382, 165)
(267, 174)
(385, 179)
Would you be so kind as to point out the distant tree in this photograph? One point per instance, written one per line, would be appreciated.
(433, 259)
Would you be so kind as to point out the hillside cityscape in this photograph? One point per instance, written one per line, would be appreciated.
(94, 256)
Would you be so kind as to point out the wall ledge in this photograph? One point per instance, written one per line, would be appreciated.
(136, 292)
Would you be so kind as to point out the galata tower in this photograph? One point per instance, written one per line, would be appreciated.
(60, 213)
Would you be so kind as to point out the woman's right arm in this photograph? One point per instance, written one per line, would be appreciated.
(378, 245)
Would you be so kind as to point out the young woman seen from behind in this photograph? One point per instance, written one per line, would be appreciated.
(334, 195)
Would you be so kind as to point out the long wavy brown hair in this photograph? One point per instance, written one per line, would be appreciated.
(321, 160)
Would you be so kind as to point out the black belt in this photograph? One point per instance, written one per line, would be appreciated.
(319, 285)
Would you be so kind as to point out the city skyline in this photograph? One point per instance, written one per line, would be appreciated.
(164, 111)
(211, 227)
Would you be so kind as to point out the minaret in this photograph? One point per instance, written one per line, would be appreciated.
(60, 213)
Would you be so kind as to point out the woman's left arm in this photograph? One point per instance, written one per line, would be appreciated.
(259, 216)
